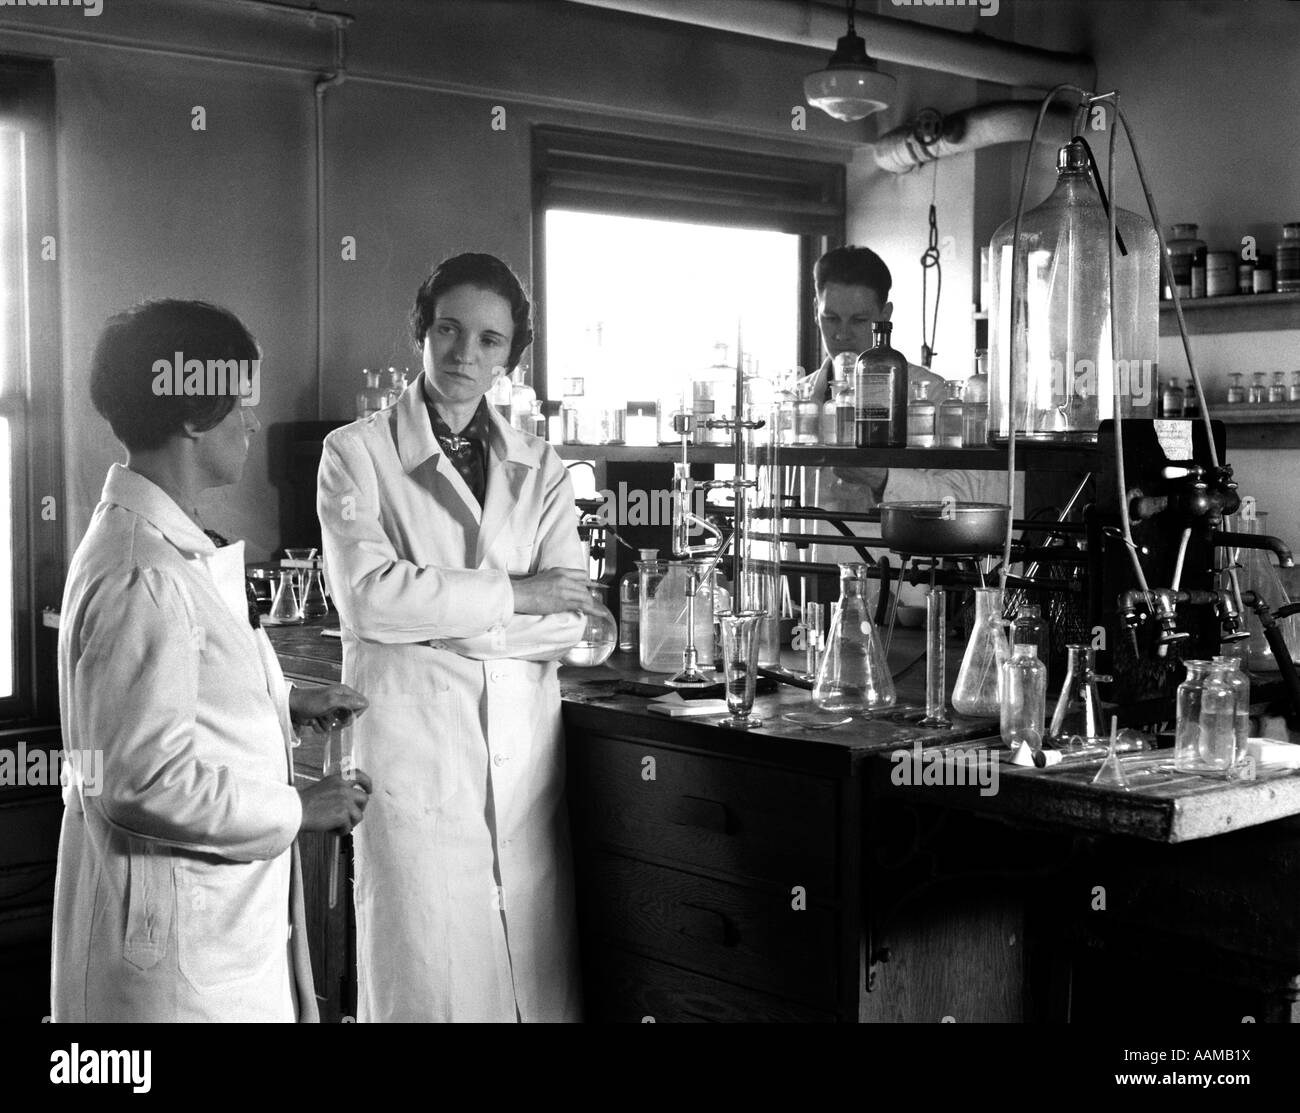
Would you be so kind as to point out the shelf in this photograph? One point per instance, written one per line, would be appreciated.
(1043, 457)
(1238, 313)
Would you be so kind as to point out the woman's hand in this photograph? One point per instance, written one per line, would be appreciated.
(553, 592)
(334, 804)
(325, 707)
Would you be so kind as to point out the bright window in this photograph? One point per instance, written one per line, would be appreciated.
(637, 302)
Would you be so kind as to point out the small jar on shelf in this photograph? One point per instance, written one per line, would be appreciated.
(1258, 390)
(1288, 260)
(1277, 392)
(1236, 392)
(1173, 402)
(1293, 393)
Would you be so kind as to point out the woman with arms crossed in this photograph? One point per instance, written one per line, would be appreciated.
(453, 548)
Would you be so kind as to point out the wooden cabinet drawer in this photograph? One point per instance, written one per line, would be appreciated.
(626, 988)
(722, 815)
(750, 936)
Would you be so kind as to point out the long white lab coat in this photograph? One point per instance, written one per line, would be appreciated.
(178, 878)
(464, 879)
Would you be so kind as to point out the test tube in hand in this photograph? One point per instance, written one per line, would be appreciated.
(338, 759)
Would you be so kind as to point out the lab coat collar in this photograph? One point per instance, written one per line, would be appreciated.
(132, 491)
(416, 442)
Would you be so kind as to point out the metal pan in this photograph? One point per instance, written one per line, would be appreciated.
(944, 528)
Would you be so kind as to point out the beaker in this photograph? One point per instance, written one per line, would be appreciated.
(740, 665)
(853, 674)
(313, 596)
(599, 635)
(284, 607)
(977, 689)
(663, 614)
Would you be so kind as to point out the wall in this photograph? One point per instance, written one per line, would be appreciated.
(150, 207)
(1207, 86)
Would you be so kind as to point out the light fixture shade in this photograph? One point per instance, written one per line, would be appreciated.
(849, 92)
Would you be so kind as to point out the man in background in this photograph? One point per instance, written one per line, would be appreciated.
(852, 286)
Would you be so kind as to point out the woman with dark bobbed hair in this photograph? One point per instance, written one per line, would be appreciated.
(178, 895)
(453, 550)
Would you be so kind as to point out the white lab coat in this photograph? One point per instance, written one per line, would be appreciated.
(464, 879)
(178, 877)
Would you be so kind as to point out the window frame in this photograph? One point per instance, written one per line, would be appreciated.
(34, 408)
(665, 179)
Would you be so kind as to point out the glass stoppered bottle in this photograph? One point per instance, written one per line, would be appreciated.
(975, 404)
(371, 398)
(921, 417)
(853, 675)
(977, 689)
(1205, 731)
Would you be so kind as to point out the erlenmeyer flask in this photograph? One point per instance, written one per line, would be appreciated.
(853, 675)
(976, 690)
(313, 596)
(1078, 708)
(284, 607)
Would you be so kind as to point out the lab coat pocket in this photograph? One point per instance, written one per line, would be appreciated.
(149, 899)
(414, 748)
(222, 936)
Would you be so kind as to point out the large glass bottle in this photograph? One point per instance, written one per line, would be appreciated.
(877, 364)
(853, 674)
(977, 689)
(1062, 358)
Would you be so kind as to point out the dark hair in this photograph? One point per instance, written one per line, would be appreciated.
(122, 378)
(485, 272)
(853, 266)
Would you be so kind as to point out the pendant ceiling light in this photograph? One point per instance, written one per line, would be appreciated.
(850, 87)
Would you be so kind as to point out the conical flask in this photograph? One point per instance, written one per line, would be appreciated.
(313, 596)
(1078, 708)
(977, 687)
(284, 607)
(853, 675)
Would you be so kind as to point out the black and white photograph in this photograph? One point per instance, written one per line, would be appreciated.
(651, 512)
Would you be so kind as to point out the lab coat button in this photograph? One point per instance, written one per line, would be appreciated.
(496, 676)
(499, 759)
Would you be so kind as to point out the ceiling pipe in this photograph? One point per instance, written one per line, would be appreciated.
(901, 41)
(933, 136)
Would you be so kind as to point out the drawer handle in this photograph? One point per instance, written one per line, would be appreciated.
(705, 925)
(695, 811)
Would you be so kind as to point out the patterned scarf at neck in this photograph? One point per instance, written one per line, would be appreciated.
(468, 449)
